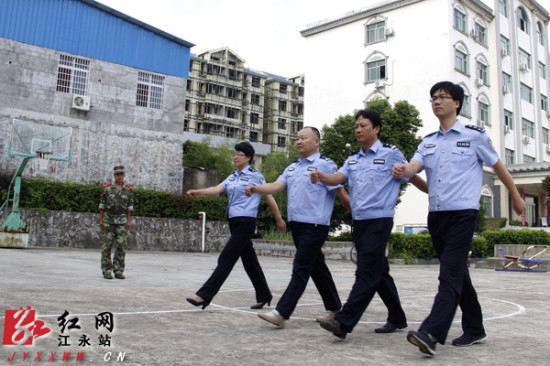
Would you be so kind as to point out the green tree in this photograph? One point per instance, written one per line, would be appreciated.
(400, 123)
(201, 154)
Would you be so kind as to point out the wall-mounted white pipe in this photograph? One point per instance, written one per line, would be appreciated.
(202, 216)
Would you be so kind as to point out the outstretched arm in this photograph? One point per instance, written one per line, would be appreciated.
(281, 225)
(210, 191)
(328, 179)
(505, 177)
(406, 170)
(269, 188)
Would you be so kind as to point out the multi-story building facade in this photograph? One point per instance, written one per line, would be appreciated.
(500, 58)
(83, 65)
(226, 99)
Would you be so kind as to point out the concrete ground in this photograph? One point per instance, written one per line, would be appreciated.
(154, 325)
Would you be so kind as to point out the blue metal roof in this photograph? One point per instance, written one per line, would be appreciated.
(90, 29)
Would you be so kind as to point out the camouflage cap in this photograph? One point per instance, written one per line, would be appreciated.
(119, 169)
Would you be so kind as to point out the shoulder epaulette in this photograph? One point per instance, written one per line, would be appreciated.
(129, 186)
(355, 153)
(295, 161)
(389, 146)
(475, 128)
(251, 169)
(107, 185)
(325, 158)
(430, 134)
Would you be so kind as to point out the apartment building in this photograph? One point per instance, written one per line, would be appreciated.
(398, 49)
(224, 98)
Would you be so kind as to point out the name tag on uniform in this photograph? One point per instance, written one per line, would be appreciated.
(429, 145)
(379, 161)
(290, 169)
(232, 179)
(352, 162)
(311, 168)
(463, 144)
(244, 179)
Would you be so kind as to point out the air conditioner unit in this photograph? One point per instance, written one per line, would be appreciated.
(388, 31)
(503, 52)
(480, 123)
(523, 67)
(526, 140)
(548, 149)
(506, 129)
(379, 84)
(81, 102)
(505, 89)
(479, 82)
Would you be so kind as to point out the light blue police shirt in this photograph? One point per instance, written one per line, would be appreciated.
(308, 202)
(454, 166)
(239, 203)
(373, 191)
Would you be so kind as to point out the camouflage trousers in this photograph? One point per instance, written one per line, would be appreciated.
(118, 235)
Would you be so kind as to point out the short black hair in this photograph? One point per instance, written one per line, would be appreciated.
(246, 148)
(372, 116)
(315, 131)
(455, 90)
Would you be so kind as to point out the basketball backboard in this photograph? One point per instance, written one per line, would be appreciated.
(29, 139)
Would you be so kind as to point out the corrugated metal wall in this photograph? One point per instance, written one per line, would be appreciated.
(75, 27)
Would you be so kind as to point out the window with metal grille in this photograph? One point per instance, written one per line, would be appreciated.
(72, 75)
(150, 90)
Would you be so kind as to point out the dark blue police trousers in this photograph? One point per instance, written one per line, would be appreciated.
(309, 261)
(372, 274)
(239, 245)
(452, 233)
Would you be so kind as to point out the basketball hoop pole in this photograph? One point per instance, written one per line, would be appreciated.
(12, 227)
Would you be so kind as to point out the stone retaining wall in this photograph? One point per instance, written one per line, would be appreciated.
(81, 230)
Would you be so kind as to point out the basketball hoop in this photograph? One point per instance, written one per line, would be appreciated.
(43, 159)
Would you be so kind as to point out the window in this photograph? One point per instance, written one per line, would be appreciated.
(253, 136)
(215, 70)
(282, 106)
(187, 104)
(231, 113)
(465, 109)
(234, 74)
(255, 99)
(509, 120)
(482, 73)
(254, 118)
(507, 81)
(186, 125)
(72, 75)
(281, 141)
(505, 45)
(545, 137)
(523, 21)
(282, 123)
(503, 7)
(543, 103)
(487, 201)
(480, 34)
(460, 20)
(525, 59)
(282, 88)
(528, 128)
(542, 70)
(526, 93)
(215, 89)
(540, 34)
(375, 32)
(483, 114)
(150, 90)
(461, 61)
(255, 81)
(376, 70)
(528, 159)
(296, 126)
(233, 93)
(509, 158)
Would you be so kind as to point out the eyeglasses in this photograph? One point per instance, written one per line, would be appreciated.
(442, 97)
(239, 155)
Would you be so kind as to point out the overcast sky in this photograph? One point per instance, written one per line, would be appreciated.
(266, 33)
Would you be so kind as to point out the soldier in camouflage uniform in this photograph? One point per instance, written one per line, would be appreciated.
(115, 207)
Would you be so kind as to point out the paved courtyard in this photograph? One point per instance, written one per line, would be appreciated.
(154, 325)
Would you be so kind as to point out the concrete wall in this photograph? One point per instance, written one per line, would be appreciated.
(81, 230)
(148, 142)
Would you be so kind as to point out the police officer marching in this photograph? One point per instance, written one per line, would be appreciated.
(115, 208)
